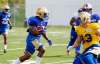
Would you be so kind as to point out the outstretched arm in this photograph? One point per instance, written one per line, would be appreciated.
(10, 24)
(76, 44)
(44, 34)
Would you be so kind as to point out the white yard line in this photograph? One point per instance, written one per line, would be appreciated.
(44, 45)
(14, 49)
(56, 32)
(56, 62)
(60, 62)
(26, 62)
(59, 44)
(33, 62)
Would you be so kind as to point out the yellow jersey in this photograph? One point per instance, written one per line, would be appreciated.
(88, 35)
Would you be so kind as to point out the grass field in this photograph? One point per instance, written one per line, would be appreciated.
(55, 54)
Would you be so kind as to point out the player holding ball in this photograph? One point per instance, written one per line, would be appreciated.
(37, 28)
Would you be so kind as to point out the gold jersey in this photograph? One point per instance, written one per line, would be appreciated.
(88, 35)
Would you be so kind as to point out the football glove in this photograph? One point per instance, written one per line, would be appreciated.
(50, 42)
(10, 27)
(68, 49)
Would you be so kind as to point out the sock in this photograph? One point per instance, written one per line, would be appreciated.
(38, 60)
(5, 46)
(17, 61)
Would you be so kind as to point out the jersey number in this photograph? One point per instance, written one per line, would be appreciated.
(87, 38)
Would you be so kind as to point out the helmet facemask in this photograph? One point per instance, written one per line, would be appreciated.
(85, 17)
(87, 8)
(46, 16)
(6, 8)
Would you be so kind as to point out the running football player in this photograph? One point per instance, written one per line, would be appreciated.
(5, 24)
(89, 36)
(37, 28)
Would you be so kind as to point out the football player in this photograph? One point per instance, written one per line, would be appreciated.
(89, 36)
(75, 21)
(37, 28)
(88, 8)
(5, 24)
(95, 18)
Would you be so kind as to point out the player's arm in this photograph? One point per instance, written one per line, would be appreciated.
(76, 44)
(44, 34)
(72, 21)
(32, 29)
(10, 24)
(98, 32)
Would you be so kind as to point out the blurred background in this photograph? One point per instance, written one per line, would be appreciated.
(58, 30)
(60, 10)
(17, 9)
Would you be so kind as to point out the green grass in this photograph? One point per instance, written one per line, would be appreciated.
(53, 54)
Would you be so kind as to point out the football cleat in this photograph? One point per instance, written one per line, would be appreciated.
(5, 51)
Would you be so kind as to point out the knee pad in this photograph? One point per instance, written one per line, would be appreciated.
(36, 43)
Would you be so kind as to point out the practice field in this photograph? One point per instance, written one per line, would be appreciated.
(55, 54)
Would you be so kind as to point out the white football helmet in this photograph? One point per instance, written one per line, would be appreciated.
(87, 6)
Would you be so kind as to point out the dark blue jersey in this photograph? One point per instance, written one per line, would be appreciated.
(95, 17)
(36, 21)
(76, 21)
(4, 17)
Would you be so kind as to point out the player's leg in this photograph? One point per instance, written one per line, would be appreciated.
(30, 49)
(85, 59)
(5, 42)
(90, 58)
(40, 54)
(98, 58)
(77, 50)
(22, 58)
(40, 50)
(79, 59)
(5, 37)
(27, 55)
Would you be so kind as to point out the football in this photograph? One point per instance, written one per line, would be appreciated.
(37, 30)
